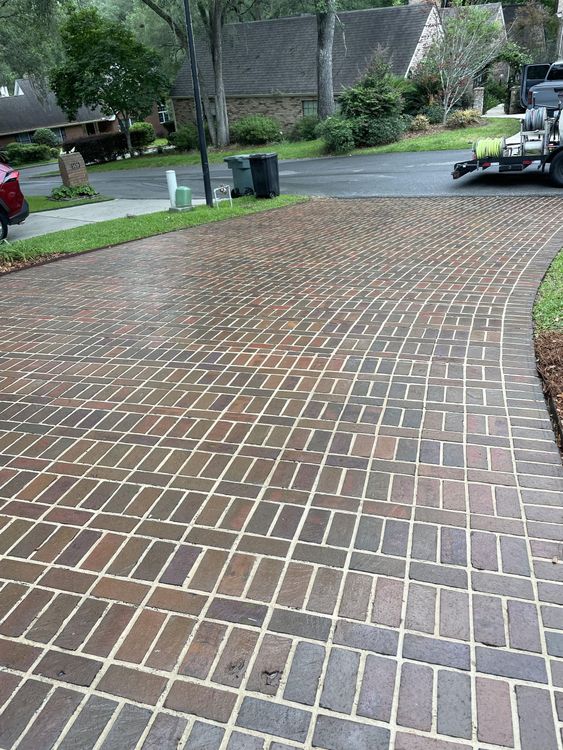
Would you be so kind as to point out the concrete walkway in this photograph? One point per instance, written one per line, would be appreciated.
(284, 482)
(46, 222)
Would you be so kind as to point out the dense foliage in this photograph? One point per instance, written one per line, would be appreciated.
(96, 149)
(255, 130)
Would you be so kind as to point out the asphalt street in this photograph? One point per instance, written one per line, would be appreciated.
(424, 173)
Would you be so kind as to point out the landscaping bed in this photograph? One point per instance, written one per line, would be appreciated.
(548, 321)
(37, 250)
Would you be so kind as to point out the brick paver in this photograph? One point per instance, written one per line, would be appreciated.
(284, 482)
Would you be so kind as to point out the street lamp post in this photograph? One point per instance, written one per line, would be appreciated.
(198, 109)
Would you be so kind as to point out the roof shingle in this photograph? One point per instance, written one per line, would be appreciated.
(279, 56)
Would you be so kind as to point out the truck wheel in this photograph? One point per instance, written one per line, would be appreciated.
(3, 226)
(556, 170)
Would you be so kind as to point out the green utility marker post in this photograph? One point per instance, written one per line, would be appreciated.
(183, 199)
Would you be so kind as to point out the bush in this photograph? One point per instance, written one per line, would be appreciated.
(304, 129)
(419, 124)
(377, 131)
(338, 135)
(142, 135)
(45, 137)
(26, 153)
(98, 148)
(63, 193)
(255, 129)
(377, 95)
(463, 118)
(55, 152)
(185, 138)
(434, 113)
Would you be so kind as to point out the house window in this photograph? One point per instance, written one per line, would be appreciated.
(24, 137)
(91, 128)
(163, 115)
(309, 107)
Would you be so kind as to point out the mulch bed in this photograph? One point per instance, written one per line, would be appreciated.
(549, 356)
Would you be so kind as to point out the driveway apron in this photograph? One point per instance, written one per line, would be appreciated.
(286, 481)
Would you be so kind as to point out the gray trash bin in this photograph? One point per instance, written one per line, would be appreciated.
(242, 174)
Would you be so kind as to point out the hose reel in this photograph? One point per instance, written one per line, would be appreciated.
(489, 148)
(534, 119)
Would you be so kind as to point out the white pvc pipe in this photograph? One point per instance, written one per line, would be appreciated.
(172, 185)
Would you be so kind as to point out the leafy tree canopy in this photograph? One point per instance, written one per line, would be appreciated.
(106, 66)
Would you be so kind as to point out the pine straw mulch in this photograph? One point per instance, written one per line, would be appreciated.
(549, 356)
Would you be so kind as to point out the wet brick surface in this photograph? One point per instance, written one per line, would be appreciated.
(284, 482)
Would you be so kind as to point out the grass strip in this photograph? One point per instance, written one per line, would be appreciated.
(38, 203)
(548, 309)
(116, 231)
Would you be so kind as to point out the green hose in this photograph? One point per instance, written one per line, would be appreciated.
(489, 148)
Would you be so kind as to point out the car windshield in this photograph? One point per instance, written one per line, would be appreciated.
(555, 73)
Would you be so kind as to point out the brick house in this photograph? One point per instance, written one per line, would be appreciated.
(28, 109)
(270, 66)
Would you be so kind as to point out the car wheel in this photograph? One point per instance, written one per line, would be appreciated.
(3, 226)
(556, 170)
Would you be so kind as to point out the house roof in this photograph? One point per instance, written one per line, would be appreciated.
(495, 9)
(279, 56)
(32, 109)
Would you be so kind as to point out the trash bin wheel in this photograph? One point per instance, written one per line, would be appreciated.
(273, 194)
(249, 191)
(235, 193)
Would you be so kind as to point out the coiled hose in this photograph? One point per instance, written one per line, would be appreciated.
(534, 119)
(489, 148)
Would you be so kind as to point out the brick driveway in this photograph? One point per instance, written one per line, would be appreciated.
(284, 482)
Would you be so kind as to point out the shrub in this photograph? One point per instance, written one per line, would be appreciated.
(419, 124)
(63, 193)
(55, 151)
(142, 135)
(98, 148)
(377, 131)
(26, 153)
(255, 129)
(185, 138)
(338, 135)
(45, 137)
(463, 118)
(377, 95)
(304, 129)
(435, 113)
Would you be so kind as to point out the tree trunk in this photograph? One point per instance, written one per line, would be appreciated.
(210, 119)
(326, 21)
(216, 39)
(124, 124)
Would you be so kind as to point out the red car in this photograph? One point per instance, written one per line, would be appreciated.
(13, 206)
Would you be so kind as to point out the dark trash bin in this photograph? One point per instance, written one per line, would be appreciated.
(242, 174)
(265, 175)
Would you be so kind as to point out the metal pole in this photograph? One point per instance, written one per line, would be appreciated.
(198, 108)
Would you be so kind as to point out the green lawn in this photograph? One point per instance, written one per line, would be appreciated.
(39, 203)
(449, 139)
(116, 231)
(548, 310)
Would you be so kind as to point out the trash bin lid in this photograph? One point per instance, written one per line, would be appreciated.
(263, 156)
(237, 158)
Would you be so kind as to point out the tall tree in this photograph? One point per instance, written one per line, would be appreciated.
(105, 66)
(326, 21)
(469, 42)
(212, 14)
(31, 55)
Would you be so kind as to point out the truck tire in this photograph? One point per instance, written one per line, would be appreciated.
(3, 226)
(556, 170)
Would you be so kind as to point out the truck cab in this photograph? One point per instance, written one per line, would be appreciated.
(542, 85)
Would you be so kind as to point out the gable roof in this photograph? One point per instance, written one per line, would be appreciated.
(279, 56)
(30, 110)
